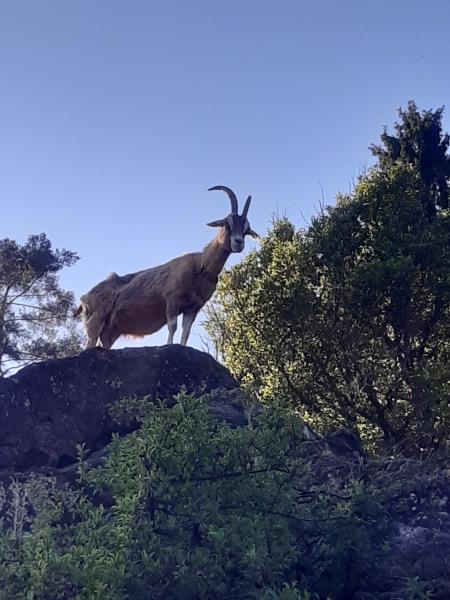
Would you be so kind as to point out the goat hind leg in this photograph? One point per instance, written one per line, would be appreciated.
(91, 342)
(172, 314)
(108, 337)
(93, 326)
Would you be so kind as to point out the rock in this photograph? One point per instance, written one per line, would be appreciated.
(48, 408)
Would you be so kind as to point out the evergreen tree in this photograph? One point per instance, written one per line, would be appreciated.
(35, 321)
(420, 143)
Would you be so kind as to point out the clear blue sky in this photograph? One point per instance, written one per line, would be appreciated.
(116, 116)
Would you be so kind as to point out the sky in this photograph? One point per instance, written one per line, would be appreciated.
(116, 116)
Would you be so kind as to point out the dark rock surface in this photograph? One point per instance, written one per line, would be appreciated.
(47, 408)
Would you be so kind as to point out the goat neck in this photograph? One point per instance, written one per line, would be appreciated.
(215, 254)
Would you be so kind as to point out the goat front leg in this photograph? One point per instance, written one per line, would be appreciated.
(172, 314)
(188, 319)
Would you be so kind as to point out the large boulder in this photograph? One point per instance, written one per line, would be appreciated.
(48, 408)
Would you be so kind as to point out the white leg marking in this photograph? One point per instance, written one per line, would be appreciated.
(172, 326)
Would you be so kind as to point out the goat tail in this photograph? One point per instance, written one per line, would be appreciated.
(78, 312)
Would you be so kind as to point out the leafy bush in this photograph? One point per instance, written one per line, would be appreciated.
(188, 507)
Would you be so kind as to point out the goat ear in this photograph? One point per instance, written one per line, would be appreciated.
(253, 234)
(218, 223)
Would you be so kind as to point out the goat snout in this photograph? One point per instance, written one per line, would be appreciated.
(237, 244)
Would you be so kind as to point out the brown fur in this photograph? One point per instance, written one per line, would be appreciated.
(137, 304)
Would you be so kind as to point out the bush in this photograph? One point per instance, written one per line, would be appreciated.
(189, 508)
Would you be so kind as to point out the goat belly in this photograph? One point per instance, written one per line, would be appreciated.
(142, 320)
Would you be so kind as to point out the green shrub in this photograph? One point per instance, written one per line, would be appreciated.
(188, 507)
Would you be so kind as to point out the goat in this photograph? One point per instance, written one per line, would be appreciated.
(141, 303)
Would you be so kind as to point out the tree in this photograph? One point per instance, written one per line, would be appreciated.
(34, 310)
(348, 319)
(420, 143)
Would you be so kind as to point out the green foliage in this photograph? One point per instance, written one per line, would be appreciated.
(420, 143)
(35, 312)
(192, 506)
(189, 508)
(348, 320)
(31, 527)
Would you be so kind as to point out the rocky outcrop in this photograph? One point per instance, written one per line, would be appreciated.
(48, 408)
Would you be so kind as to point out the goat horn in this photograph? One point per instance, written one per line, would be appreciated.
(247, 206)
(231, 196)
